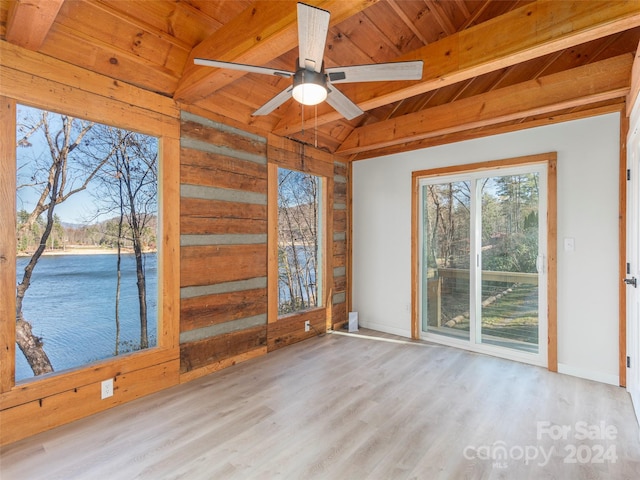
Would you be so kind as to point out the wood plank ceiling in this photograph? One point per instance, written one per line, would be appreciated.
(490, 65)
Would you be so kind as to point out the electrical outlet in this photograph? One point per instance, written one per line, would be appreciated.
(107, 388)
(307, 326)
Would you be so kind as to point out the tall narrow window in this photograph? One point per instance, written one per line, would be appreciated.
(299, 241)
(86, 242)
(482, 260)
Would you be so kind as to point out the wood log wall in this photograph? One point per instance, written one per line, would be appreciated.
(224, 248)
(223, 245)
(340, 244)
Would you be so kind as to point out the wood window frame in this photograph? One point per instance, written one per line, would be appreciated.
(283, 153)
(73, 91)
(550, 159)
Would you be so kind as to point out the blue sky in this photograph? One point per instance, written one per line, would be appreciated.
(81, 207)
(76, 209)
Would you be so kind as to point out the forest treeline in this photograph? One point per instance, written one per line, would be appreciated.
(102, 234)
(509, 226)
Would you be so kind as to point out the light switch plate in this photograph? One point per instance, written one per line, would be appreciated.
(569, 244)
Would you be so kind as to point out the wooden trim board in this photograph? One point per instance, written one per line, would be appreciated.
(7, 242)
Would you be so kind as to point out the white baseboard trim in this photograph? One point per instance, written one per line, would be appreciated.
(380, 327)
(589, 375)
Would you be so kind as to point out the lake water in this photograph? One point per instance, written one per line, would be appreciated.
(71, 306)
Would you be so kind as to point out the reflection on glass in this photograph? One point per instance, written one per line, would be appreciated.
(445, 257)
(509, 255)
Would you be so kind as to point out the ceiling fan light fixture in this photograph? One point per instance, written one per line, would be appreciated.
(309, 87)
(311, 81)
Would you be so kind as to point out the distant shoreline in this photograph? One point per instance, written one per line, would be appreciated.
(79, 250)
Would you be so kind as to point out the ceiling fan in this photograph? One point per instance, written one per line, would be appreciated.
(312, 83)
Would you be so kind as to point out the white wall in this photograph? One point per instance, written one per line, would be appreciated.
(588, 165)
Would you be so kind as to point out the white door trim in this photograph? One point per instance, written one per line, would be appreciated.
(633, 259)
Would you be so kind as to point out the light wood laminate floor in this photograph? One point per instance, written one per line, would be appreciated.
(341, 407)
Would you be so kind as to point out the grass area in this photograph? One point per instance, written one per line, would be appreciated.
(513, 316)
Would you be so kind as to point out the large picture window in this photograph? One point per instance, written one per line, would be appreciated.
(86, 241)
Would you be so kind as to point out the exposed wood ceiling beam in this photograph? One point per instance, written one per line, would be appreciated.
(528, 32)
(29, 22)
(261, 33)
(266, 29)
(579, 86)
(615, 105)
(635, 82)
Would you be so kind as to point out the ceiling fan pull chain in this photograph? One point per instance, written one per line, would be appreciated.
(315, 129)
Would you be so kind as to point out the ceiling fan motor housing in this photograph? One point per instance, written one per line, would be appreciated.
(309, 87)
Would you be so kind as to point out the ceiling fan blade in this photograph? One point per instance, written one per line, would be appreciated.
(342, 104)
(274, 103)
(243, 67)
(380, 72)
(313, 26)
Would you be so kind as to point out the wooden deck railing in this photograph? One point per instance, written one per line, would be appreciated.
(434, 284)
(490, 276)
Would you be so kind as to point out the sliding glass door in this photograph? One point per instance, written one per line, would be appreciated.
(482, 278)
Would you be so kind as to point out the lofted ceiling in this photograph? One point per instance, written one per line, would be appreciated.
(489, 65)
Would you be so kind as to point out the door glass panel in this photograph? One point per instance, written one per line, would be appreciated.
(509, 253)
(445, 256)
